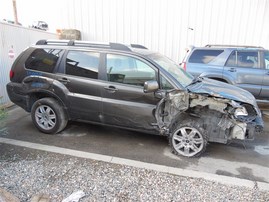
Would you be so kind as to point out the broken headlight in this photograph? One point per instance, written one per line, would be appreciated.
(240, 112)
(246, 113)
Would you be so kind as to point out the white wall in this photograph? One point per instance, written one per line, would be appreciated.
(15, 38)
(162, 25)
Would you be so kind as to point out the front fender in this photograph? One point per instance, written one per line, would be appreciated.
(212, 74)
(218, 76)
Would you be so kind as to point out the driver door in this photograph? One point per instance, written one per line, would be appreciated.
(124, 102)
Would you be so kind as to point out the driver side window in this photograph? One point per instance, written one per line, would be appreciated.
(165, 85)
(128, 70)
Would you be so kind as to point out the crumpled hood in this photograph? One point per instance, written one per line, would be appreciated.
(222, 90)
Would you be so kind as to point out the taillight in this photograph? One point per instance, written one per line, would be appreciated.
(184, 66)
(11, 74)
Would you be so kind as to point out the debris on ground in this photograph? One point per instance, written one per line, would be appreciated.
(74, 197)
(7, 197)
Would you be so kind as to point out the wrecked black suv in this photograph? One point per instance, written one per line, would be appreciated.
(129, 87)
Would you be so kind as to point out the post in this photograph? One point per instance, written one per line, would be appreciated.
(15, 12)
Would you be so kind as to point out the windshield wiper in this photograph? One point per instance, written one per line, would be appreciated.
(195, 80)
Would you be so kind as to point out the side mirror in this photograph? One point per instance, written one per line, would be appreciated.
(151, 86)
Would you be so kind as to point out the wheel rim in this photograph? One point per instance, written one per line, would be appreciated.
(187, 141)
(45, 117)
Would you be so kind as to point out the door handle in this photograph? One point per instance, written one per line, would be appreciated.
(232, 70)
(64, 80)
(111, 89)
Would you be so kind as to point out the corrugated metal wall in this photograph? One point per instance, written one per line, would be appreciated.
(15, 38)
(164, 25)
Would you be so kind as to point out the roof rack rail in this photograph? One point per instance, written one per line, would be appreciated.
(138, 46)
(240, 46)
(54, 42)
(116, 46)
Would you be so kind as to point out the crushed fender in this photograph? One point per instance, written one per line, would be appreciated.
(222, 118)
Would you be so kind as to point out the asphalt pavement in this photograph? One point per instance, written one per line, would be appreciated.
(246, 160)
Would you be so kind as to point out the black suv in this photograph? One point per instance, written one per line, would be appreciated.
(129, 87)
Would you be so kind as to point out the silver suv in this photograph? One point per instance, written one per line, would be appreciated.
(244, 66)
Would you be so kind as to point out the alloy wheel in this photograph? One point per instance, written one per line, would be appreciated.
(187, 141)
(45, 117)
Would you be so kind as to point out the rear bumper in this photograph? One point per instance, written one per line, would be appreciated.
(17, 95)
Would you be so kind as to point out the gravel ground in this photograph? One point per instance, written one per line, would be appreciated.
(25, 172)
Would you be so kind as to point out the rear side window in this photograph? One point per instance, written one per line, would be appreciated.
(83, 64)
(43, 60)
(204, 56)
(248, 59)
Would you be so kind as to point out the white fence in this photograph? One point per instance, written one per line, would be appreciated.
(13, 40)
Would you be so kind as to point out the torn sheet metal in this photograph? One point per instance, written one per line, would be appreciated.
(210, 102)
(223, 118)
(222, 90)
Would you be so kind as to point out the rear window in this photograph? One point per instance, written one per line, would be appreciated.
(43, 60)
(204, 56)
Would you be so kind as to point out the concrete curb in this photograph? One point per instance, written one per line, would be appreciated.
(138, 164)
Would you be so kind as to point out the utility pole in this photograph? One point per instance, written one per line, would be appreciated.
(15, 12)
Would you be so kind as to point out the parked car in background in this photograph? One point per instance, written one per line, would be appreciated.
(40, 25)
(244, 66)
(129, 87)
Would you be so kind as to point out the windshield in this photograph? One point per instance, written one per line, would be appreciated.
(174, 69)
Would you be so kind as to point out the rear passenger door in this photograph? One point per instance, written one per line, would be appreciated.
(244, 68)
(80, 76)
(124, 101)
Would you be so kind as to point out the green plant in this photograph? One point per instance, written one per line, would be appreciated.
(3, 111)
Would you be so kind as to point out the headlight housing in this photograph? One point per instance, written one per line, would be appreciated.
(240, 112)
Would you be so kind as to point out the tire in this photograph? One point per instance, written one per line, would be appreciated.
(188, 139)
(48, 116)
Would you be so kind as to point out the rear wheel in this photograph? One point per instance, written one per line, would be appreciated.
(48, 115)
(188, 140)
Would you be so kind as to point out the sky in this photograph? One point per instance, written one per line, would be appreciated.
(33, 10)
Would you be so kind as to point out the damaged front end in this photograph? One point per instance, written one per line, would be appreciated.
(223, 119)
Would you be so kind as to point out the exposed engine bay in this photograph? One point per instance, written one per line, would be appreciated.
(222, 118)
